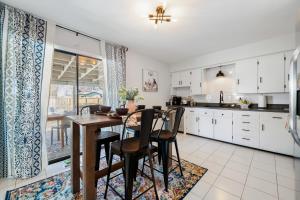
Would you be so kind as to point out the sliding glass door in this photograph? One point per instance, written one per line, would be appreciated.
(76, 81)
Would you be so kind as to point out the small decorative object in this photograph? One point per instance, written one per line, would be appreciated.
(130, 96)
(122, 111)
(150, 81)
(244, 103)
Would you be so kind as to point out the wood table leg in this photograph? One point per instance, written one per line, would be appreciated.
(89, 160)
(75, 158)
(62, 134)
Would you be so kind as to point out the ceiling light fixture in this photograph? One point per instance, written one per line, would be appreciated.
(220, 73)
(160, 15)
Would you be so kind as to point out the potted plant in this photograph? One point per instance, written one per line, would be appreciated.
(129, 97)
(244, 103)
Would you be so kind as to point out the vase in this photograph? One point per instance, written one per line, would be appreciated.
(130, 104)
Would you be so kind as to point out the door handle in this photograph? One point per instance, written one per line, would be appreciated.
(277, 117)
(246, 130)
(293, 96)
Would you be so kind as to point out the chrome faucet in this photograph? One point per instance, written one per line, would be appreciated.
(221, 98)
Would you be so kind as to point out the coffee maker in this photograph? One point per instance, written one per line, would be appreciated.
(176, 100)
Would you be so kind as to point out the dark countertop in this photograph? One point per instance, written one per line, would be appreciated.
(282, 108)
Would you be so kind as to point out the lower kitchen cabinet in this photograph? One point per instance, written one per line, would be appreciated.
(191, 121)
(274, 135)
(246, 128)
(206, 125)
(223, 125)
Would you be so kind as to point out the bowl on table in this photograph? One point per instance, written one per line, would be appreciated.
(122, 111)
(105, 109)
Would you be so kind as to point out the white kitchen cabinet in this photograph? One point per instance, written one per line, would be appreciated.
(196, 82)
(271, 73)
(274, 135)
(223, 125)
(246, 75)
(246, 128)
(191, 121)
(287, 62)
(206, 125)
(181, 79)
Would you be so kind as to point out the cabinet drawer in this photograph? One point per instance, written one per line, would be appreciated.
(247, 117)
(205, 112)
(223, 113)
(248, 141)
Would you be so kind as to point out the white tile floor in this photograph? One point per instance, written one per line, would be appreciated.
(234, 172)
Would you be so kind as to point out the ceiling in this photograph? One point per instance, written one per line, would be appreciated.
(202, 26)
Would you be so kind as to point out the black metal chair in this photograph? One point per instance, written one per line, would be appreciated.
(131, 150)
(164, 138)
(103, 138)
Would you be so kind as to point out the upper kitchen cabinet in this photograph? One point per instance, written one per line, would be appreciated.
(246, 76)
(196, 82)
(181, 79)
(271, 73)
(287, 60)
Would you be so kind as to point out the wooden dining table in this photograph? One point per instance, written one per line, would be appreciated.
(89, 125)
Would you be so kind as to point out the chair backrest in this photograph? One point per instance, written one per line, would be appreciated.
(146, 122)
(178, 116)
(146, 127)
(92, 108)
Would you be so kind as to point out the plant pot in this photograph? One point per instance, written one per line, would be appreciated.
(244, 106)
(130, 104)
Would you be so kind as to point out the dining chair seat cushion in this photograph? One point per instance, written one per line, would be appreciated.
(108, 136)
(130, 145)
(164, 135)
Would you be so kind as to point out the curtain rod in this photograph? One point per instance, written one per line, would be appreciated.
(78, 33)
(82, 34)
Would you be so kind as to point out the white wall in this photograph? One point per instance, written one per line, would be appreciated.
(272, 45)
(135, 63)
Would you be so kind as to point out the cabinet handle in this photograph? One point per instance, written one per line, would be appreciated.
(245, 115)
(200, 84)
(212, 121)
(215, 121)
(238, 81)
(246, 130)
(262, 127)
(260, 79)
(277, 117)
(245, 138)
(192, 111)
(246, 122)
(288, 77)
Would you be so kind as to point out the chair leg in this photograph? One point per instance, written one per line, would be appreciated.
(165, 160)
(159, 153)
(144, 159)
(66, 134)
(152, 173)
(98, 154)
(108, 174)
(106, 147)
(136, 165)
(178, 158)
(129, 174)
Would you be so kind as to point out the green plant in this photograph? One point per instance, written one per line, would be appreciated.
(129, 94)
(244, 101)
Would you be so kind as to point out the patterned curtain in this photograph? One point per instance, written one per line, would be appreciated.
(3, 135)
(116, 72)
(22, 80)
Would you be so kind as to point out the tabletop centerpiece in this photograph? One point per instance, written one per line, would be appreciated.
(128, 98)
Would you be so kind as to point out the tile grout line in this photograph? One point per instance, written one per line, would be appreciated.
(247, 176)
(276, 178)
(219, 174)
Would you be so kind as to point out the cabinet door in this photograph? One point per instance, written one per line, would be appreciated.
(175, 79)
(206, 127)
(185, 78)
(246, 76)
(223, 125)
(287, 62)
(191, 123)
(271, 74)
(274, 135)
(196, 82)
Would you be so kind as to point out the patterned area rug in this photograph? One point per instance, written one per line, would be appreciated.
(58, 187)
